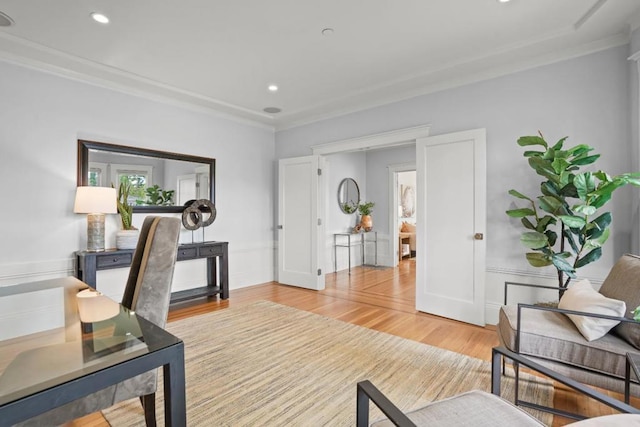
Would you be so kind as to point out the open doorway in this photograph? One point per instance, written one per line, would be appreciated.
(406, 203)
(403, 212)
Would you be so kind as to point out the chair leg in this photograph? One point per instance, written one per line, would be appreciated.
(149, 405)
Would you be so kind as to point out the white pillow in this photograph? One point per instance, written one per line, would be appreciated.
(582, 297)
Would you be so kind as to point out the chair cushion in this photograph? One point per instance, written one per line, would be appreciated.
(617, 420)
(475, 408)
(582, 297)
(552, 336)
(623, 283)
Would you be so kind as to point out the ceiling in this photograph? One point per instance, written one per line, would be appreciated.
(222, 55)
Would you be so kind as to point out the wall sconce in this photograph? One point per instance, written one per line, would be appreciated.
(95, 202)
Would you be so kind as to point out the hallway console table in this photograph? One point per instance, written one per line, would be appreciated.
(88, 263)
(339, 242)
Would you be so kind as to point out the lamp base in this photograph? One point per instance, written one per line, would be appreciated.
(95, 232)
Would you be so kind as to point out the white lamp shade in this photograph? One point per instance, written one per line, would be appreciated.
(95, 307)
(96, 200)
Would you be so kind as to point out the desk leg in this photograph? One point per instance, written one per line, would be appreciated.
(224, 275)
(175, 405)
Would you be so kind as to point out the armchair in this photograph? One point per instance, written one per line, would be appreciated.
(475, 408)
(548, 336)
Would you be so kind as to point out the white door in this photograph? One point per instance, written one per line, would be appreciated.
(450, 264)
(299, 223)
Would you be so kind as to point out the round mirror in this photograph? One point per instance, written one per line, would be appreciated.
(348, 196)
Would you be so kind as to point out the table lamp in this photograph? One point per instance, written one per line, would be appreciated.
(95, 202)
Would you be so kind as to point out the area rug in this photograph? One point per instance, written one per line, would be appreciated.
(266, 364)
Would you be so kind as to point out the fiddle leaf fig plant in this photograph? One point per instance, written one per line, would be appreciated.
(563, 225)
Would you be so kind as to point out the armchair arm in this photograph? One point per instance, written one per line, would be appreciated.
(367, 391)
(563, 311)
(528, 285)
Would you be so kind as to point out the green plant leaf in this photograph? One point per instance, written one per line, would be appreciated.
(598, 241)
(519, 195)
(585, 183)
(558, 145)
(524, 141)
(579, 150)
(582, 161)
(544, 222)
(584, 209)
(519, 213)
(592, 256)
(552, 236)
(544, 167)
(572, 221)
(530, 153)
(559, 165)
(538, 259)
(552, 205)
(533, 239)
(527, 224)
(561, 264)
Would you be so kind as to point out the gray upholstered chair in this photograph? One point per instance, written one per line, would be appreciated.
(547, 336)
(147, 292)
(474, 409)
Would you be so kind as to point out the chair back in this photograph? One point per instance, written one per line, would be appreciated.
(148, 289)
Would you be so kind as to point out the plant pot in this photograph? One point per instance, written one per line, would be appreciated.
(366, 222)
(127, 239)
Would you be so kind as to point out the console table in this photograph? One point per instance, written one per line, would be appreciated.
(359, 242)
(88, 263)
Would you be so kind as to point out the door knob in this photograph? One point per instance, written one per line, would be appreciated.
(478, 236)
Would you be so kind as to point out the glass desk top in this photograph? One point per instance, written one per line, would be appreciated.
(58, 330)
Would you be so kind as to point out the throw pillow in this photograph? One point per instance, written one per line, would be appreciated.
(582, 297)
(623, 283)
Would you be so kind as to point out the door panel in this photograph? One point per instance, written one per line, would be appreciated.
(451, 210)
(299, 226)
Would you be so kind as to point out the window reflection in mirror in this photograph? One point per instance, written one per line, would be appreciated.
(348, 195)
(160, 181)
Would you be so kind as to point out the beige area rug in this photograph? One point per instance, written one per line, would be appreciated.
(266, 364)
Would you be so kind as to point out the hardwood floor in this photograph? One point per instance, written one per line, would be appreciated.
(380, 299)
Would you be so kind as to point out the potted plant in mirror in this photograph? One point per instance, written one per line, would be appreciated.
(365, 209)
(127, 237)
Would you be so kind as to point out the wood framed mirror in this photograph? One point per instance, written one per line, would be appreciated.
(163, 181)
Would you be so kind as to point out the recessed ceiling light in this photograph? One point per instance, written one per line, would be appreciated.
(273, 88)
(272, 110)
(5, 20)
(504, 1)
(100, 17)
(327, 32)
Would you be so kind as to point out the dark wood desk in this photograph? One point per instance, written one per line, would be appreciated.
(52, 381)
(88, 263)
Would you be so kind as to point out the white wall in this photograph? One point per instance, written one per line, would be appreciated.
(338, 167)
(41, 118)
(586, 98)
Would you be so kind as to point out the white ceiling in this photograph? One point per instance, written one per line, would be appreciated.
(222, 55)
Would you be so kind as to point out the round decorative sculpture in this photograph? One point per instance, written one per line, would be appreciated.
(198, 213)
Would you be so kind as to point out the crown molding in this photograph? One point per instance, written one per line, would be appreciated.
(475, 70)
(28, 54)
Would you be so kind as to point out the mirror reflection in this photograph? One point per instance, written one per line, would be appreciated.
(348, 195)
(160, 181)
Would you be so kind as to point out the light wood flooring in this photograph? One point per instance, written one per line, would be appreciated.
(380, 299)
